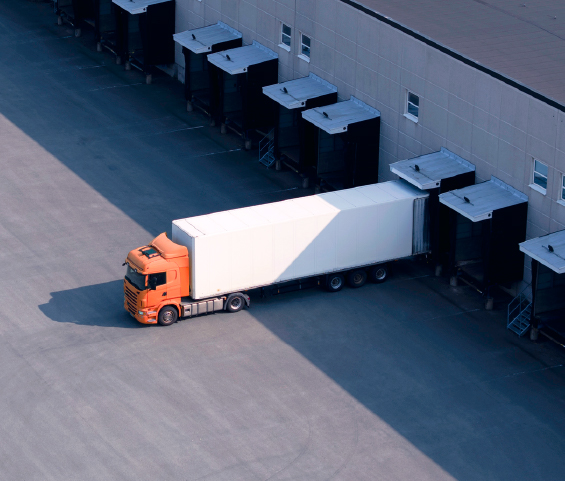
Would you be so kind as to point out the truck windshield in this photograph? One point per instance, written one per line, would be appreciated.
(136, 280)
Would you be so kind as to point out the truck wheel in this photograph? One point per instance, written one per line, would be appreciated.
(378, 274)
(334, 282)
(168, 315)
(356, 278)
(235, 303)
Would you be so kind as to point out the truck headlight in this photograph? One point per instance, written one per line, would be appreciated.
(140, 313)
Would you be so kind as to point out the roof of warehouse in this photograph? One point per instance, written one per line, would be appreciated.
(295, 93)
(335, 118)
(137, 6)
(427, 171)
(238, 60)
(548, 250)
(522, 40)
(477, 202)
(201, 40)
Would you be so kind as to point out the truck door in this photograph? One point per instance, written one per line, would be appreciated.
(157, 295)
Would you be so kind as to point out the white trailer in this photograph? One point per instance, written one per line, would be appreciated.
(326, 238)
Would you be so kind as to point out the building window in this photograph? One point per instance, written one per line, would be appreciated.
(304, 47)
(412, 106)
(562, 196)
(540, 175)
(286, 33)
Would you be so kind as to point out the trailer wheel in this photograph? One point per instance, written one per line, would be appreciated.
(379, 273)
(235, 303)
(357, 278)
(168, 315)
(334, 282)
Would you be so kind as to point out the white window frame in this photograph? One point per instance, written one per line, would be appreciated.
(561, 199)
(534, 185)
(309, 47)
(283, 35)
(408, 103)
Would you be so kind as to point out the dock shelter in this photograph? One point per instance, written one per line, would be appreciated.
(437, 173)
(78, 13)
(238, 77)
(344, 138)
(144, 33)
(288, 135)
(545, 310)
(98, 14)
(487, 223)
(196, 45)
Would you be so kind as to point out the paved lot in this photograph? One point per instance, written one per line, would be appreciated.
(409, 380)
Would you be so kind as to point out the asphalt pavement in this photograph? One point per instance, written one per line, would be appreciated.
(408, 380)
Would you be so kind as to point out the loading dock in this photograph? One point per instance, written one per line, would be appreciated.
(487, 222)
(75, 12)
(196, 45)
(437, 173)
(344, 138)
(545, 311)
(144, 33)
(288, 135)
(238, 76)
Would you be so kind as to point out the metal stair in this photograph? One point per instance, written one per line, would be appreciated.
(267, 149)
(519, 314)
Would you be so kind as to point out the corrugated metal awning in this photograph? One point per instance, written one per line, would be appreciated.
(427, 171)
(238, 60)
(336, 118)
(295, 93)
(548, 250)
(137, 6)
(201, 40)
(477, 202)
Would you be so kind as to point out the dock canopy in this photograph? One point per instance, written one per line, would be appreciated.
(137, 6)
(337, 118)
(202, 40)
(478, 202)
(548, 250)
(238, 60)
(295, 93)
(427, 171)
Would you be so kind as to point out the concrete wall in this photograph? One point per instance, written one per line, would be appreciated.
(491, 124)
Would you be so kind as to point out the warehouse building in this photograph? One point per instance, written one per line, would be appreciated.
(482, 79)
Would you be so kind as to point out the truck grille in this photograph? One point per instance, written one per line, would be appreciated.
(131, 299)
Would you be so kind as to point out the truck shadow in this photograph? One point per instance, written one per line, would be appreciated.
(95, 305)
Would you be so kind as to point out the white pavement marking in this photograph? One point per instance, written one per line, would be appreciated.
(90, 66)
(175, 130)
(272, 191)
(116, 86)
(221, 152)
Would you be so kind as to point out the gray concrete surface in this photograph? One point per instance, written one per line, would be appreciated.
(409, 380)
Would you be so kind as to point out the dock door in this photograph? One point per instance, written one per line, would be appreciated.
(289, 133)
(344, 138)
(239, 76)
(437, 173)
(144, 34)
(487, 222)
(196, 45)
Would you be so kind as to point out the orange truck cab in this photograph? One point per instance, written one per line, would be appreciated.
(156, 280)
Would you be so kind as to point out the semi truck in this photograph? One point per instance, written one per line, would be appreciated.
(213, 260)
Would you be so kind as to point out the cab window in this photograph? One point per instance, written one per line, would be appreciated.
(158, 279)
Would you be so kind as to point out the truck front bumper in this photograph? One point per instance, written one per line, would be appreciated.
(145, 316)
